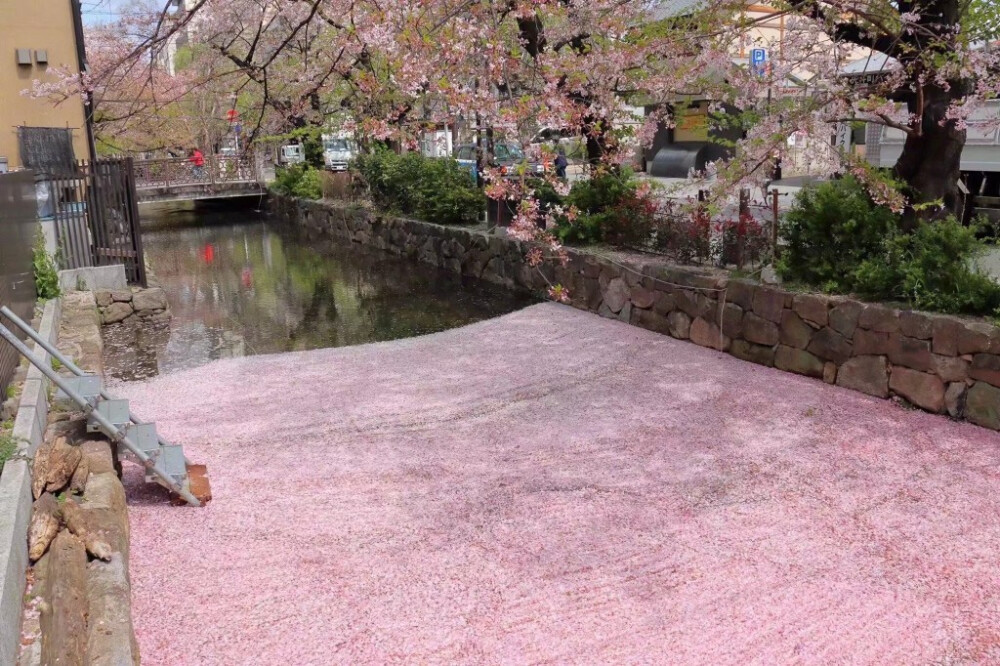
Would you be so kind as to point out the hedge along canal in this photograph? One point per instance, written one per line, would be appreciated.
(239, 286)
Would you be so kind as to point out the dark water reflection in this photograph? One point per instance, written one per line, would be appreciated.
(239, 286)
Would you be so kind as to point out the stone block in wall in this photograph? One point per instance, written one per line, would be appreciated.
(732, 320)
(830, 372)
(871, 343)
(868, 374)
(666, 302)
(707, 334)
(609, 272)
(921, 389)
(116, 312)
(679, 325)
(829, 345)
(950, 368)
(986, 368)
(741, 293)
(632, 275)
(149, 300)
(982, 405)
(798, 361)
(844, 317)
(976, 337)
(103, 298)
(693, 303)
(812, 308)
(768, 303)
(687, 277)
(642, 298)
(759, 331)
(591, 267)
(759, 354)
(910, 352)
(954, 399)
(591, 292)
(452, 265)
(946, 331)
(495, 271)
(794, 332)
(879, 318)
(651, 321)
(616, 294)
(916, 325)
(474, 262)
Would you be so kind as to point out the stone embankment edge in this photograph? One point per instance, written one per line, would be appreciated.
(15, 490)
(939, 363)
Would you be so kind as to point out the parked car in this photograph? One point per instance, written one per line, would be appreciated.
(338, 152)
(508, 156)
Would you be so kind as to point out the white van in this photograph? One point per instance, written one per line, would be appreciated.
(338, 151)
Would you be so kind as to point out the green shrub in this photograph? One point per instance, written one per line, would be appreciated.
(46, 274)
(839, 240)
(610, 211)
(298, 180)
(432, 189)
(931, 269)
(830, 231)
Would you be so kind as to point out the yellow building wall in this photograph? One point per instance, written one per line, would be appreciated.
(37, 25)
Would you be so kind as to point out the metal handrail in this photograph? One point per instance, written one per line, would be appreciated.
(69, 364)
(117, 436)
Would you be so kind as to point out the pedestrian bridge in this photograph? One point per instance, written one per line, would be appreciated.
(177, 179)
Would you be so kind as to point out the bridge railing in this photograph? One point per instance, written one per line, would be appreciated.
(180, 171)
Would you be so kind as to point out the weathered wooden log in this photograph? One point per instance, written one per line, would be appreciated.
(43, 527)
(62, 463)
(38, 480)
(78, 484)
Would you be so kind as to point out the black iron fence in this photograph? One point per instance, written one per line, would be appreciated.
(97, 217)
(18, 229)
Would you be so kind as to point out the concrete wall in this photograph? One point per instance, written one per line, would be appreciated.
(939, 363)
(37, 25)
(15, 491)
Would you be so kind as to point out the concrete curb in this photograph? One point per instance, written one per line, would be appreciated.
(15, 491)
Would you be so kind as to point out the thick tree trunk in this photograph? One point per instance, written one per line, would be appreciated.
(929, 165)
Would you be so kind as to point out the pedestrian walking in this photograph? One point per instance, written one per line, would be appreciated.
(561, 164)
(197, 160)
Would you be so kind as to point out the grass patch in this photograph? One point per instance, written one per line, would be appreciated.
(8, 445)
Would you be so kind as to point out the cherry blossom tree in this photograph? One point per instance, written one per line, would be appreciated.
(505, 69)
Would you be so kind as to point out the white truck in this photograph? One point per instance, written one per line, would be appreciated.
(338, 151)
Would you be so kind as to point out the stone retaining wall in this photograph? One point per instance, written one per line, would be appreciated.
(939, 363)
(77, 604)
(127, 304)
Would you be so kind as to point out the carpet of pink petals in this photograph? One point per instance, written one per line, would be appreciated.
(552, 487)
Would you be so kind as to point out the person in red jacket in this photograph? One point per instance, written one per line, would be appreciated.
(197, 160)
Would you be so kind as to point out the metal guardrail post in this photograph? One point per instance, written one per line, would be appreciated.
(117, 436)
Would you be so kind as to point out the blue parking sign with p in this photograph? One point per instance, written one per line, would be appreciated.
(758, 61)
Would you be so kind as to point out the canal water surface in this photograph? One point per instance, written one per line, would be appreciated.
(239, 286)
